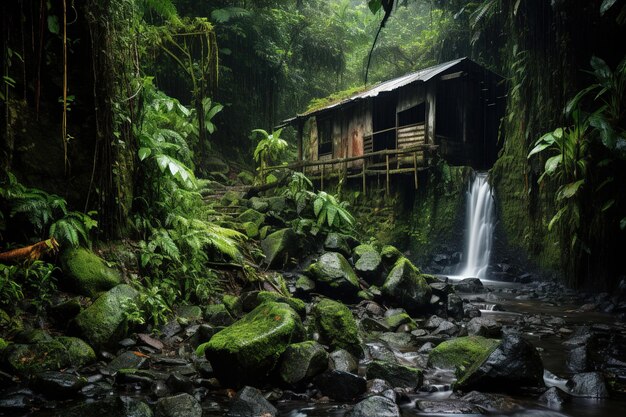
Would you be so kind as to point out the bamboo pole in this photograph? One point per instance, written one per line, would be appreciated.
(322, 178)
(415, 168)
(363, 179)
(387, 172)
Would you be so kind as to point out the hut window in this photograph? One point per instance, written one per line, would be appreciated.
(412, 115)
(325, 130)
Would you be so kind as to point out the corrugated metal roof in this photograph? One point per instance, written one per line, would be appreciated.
(386, 86)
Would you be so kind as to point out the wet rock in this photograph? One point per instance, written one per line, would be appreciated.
(588, 384)
(79, 353)
(179, 383)
(85, 273)
(128, 360)
(217, 315)
(480, 326)
(470, 311)
(447, 328)
(15, 402)
(492, 402)
(334, 276)
(247, 351)
(461, 353)
(278, 246)
(470, 285)
(341, 386)
(337, 327)
(302, 361)
(337, 243)
(397, 340)
(368, 264)
(449, 407)
(377, 386)
(371, 325)
(514, 365)
(151, 341)
(342, 360)
(554, 397)
(253, 299)
(381, 352)
(396, 374)
(455, 306)
(181, 405)
(394, 321)
(159, 389)
(390, 255)
(407, 287)
(304, 285)
(58, 385)
(250, 402)
(103, 322)
(26, 359)
(578, 359)
(96, 390)
(426, 348)
(65, 311)
(433, 322)
(376, 405)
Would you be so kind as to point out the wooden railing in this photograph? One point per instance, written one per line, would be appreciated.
(412, 153)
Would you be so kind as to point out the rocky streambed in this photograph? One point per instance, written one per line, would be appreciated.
(363, 333)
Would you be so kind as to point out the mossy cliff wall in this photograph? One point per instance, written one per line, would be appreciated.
(423, 222)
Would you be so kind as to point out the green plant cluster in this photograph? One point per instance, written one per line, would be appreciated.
(33, 281)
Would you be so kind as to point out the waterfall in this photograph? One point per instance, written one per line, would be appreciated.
(480, 225)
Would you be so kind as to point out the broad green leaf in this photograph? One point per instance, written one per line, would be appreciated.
(317, 206)
(374, 5)
(538, 149)
(144, 153)
(331, 212)
(608, 204)
(552, 164)
(556, 218)
(53, 25)
(606, 5)
(569, 190)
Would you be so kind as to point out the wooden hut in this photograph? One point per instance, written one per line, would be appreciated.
(452, 108)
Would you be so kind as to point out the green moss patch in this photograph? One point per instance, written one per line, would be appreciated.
(337, 326)
(247, 351)
(86, 273)
(461, 353)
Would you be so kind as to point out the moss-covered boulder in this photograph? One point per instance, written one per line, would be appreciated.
(253, 299)
(85, 273)
(368, 264)
(390, 254)
(514, 365)
(396, 374)
(218, 315)
(337, 243)
(79, 352)
(337, 327)
(302, 361)
(246, 352)
(394, 321)
(461, 353)
(406, 287)
(253, 216)
(334, 276)
(104, 322)
(278, 246)
(233, 304)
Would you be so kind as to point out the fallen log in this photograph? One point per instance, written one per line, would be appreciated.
(30, 253)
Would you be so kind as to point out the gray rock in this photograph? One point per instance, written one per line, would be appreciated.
(588, 384)
(375, 406)
(337, 243)
(334, 275)
(250, 402)
(470, 285)
(369, 265)
(181, 405)
(449, 407)
(554, 398)
(302, 361)
(278, 246)
(433, 322)
(342, 360)
(396, 374)
(341, 386)
(127, 360)
(58, 385)
(515, 364)
(455, 306)
(405, 286)
(578, 359)
(447, 328)
(481, 326)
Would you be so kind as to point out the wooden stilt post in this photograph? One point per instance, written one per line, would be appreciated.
(363, 176)
(415, 168)
(322, 178)
(387, 171)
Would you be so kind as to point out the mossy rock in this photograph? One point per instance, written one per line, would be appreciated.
(250, 229)
(369, 266)
(218, 315)
(252, 216)
(248, 351)
(190, 313)
(28, 359)
(278, 246)
(246, 178)
(302, 361)
(104, 322)
(397, 320)
(85, 273)
(461, 353)
(396, 374)
(80, 353)
(390, 254)
(304, 285)
(337, 327)
(259, 204)
(297, 304)
(406, 287)
(233, 304)
(334, 275)
(337, 243)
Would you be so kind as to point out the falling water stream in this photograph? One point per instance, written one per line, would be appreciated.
(480, 225)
